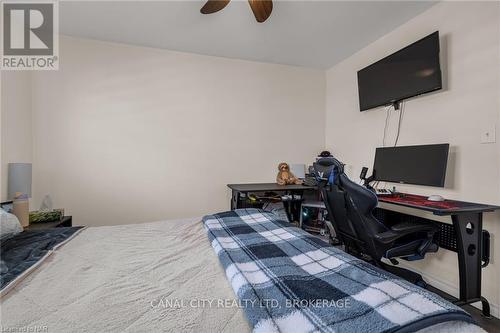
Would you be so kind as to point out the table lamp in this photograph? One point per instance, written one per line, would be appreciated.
(19, 190)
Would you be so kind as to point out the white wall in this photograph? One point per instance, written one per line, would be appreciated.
(127, 134)
(118, 130)
(470, 35)
(16, 123)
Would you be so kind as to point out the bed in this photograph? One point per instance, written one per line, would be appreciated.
(152, 277)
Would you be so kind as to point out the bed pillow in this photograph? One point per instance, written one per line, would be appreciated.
(9, 225)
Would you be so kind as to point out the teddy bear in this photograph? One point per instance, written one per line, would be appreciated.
(285, 176)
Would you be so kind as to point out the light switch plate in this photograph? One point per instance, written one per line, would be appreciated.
(488, 134)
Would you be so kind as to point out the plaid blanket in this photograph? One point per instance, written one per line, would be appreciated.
(290, 281)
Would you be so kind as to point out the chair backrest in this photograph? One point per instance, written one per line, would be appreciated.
(351, 206)
(327, 170)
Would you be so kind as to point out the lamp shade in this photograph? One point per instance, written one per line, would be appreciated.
(19, 179)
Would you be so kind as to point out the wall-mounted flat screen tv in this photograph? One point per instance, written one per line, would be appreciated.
(409, 72)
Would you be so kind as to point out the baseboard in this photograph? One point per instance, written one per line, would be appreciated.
(450, 289)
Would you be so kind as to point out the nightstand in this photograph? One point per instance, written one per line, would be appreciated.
(66, 221)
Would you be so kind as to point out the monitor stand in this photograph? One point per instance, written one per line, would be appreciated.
(396, 105)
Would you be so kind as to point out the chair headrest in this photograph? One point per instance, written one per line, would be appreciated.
(331, 162)
(324, 166)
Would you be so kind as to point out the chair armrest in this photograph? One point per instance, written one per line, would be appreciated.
(387, 237)
(411, 227)
(403, 229)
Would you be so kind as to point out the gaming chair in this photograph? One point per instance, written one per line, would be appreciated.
(350, 208)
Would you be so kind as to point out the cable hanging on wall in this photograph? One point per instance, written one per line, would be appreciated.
(401, 110)
(388, 112)
(401, 114)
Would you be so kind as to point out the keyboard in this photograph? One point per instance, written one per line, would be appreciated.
(383, 191)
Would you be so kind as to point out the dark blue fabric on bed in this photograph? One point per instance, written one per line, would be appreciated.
(25, 249)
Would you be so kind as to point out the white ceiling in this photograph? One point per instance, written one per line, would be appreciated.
(304, 33)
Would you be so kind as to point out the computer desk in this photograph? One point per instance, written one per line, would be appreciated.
(465, 236)
(239, 192)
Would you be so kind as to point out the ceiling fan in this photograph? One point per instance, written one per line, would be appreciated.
(261, 8)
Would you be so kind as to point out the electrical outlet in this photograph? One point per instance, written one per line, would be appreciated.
(488, 135)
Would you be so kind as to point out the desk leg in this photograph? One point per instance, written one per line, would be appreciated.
(468, 229)
(288, 205)
(235, 198)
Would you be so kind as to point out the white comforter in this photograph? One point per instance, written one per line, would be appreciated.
(122, 278)
(152, 277)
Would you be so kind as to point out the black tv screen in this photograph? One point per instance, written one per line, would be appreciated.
(418, 165)
(409, 72)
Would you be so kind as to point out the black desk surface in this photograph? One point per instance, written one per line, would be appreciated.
(447, 207)
(263, 187)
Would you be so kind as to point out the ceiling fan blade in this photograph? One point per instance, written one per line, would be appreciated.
(213, 6)
(261, 9)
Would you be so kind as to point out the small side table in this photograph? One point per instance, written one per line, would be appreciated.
(66, 221)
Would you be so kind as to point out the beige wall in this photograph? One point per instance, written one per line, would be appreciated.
(470, 35)
(127, 134)
(16, 123)
(124, 134)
